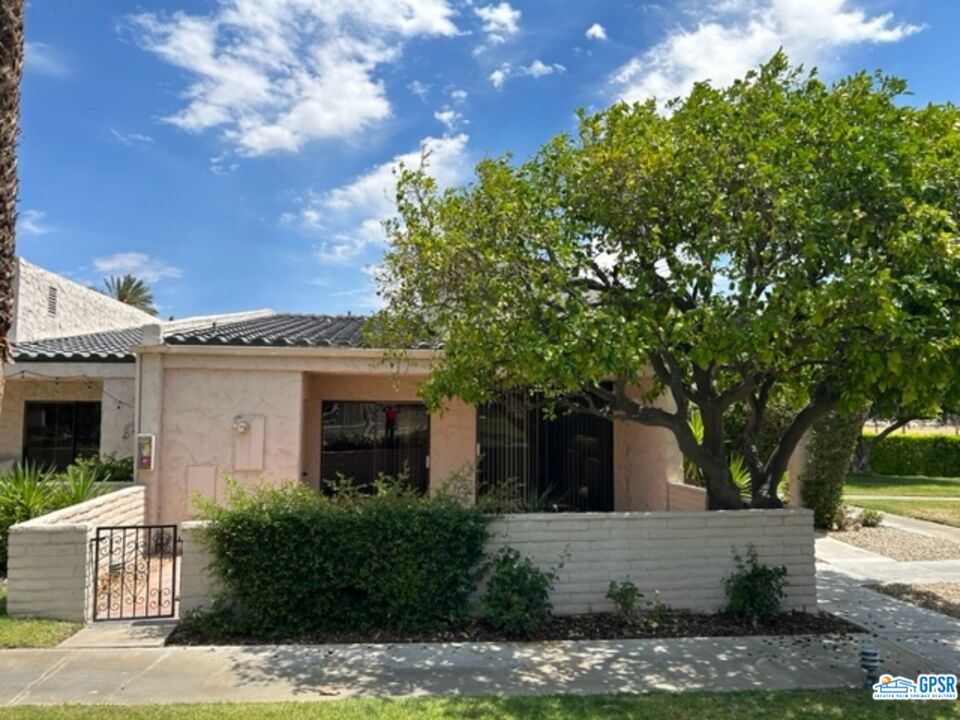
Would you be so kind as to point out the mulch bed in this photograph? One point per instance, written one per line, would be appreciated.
(600, 626)
(899, 544)
(941, 597)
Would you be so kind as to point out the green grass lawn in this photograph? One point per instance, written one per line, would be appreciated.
(30, 633)
(902, 485)
(945, 513)
(834, 704)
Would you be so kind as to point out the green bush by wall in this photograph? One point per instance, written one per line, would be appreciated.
(917, 454)
(293, 562)
(831, 445)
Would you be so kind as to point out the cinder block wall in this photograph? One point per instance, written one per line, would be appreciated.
(49, 562)
(687, 498)
(197, 588)
(684, 555)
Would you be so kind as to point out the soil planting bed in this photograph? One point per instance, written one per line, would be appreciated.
(601, 626)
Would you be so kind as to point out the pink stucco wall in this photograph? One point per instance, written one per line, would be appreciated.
(199, 445)
(196, 403)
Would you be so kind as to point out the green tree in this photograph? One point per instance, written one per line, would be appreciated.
(132, 291)
(778, 237)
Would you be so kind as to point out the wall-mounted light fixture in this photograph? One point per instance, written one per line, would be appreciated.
(241, 424)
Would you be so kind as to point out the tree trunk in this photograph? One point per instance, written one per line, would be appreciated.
(861, 454)
(722, 494)
(11, 70)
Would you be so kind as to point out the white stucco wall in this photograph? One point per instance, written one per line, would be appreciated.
(80, 310)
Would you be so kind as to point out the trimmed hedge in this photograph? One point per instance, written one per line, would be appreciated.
(917, 454)
(292, 562)
(832, 442)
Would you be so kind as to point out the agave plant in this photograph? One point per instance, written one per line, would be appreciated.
(77, 484)
(26, 491)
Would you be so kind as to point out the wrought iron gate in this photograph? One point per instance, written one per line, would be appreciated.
(135, 572)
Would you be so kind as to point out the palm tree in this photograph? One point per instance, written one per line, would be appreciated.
(132, 291)
(11, 70)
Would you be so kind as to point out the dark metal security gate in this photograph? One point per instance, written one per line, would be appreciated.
(135, 572)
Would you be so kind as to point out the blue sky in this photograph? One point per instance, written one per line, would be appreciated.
(237, 153)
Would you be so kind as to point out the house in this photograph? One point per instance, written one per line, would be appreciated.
(47, 305)
(71, 390)
(290, 396)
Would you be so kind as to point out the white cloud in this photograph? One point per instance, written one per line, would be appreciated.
(44, 59)
(536, 69)
(458, 95)
(32, 222)
(276, 75)
(350, 216)
(137, 264)
(419, 89)
(499, 21)
(449, 117)
(130, 138)
(596, 32)
(735, 36)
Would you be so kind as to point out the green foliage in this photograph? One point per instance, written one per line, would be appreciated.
(132, 291)
(777, 237)
(626, 596)
(831, 445)
(754, 591)
(517, 598)
(291, 562)
(107, 468)
(28, 491)
(870, 518)
(77, 484)
(917, 454)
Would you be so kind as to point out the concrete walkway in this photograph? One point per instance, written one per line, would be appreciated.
(254, 674)
(844, 570)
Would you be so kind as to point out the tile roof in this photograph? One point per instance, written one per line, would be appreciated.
(108, 346)
(276, 330)
(279, 330)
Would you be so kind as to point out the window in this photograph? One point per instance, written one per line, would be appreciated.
(561, 464)
(57, 433)
(52, 301)
(360, 440)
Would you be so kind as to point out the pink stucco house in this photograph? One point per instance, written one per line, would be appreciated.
(299, 396)
(281, 396)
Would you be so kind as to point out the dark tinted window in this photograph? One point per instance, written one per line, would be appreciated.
(360, 440)
(57, 433)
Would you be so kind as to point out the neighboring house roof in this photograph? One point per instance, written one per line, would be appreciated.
(113, 345)
(280, 330)
(106, 346)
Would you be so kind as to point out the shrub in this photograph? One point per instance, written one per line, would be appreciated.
(106, 468)
(291, 562)
(626, 596)
(26, 492)
(831, 445)
(917, 454)
(517, 599)
(754, 591)
(870, 518)
(75, 485)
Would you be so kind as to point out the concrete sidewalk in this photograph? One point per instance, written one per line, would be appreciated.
(255, 674)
